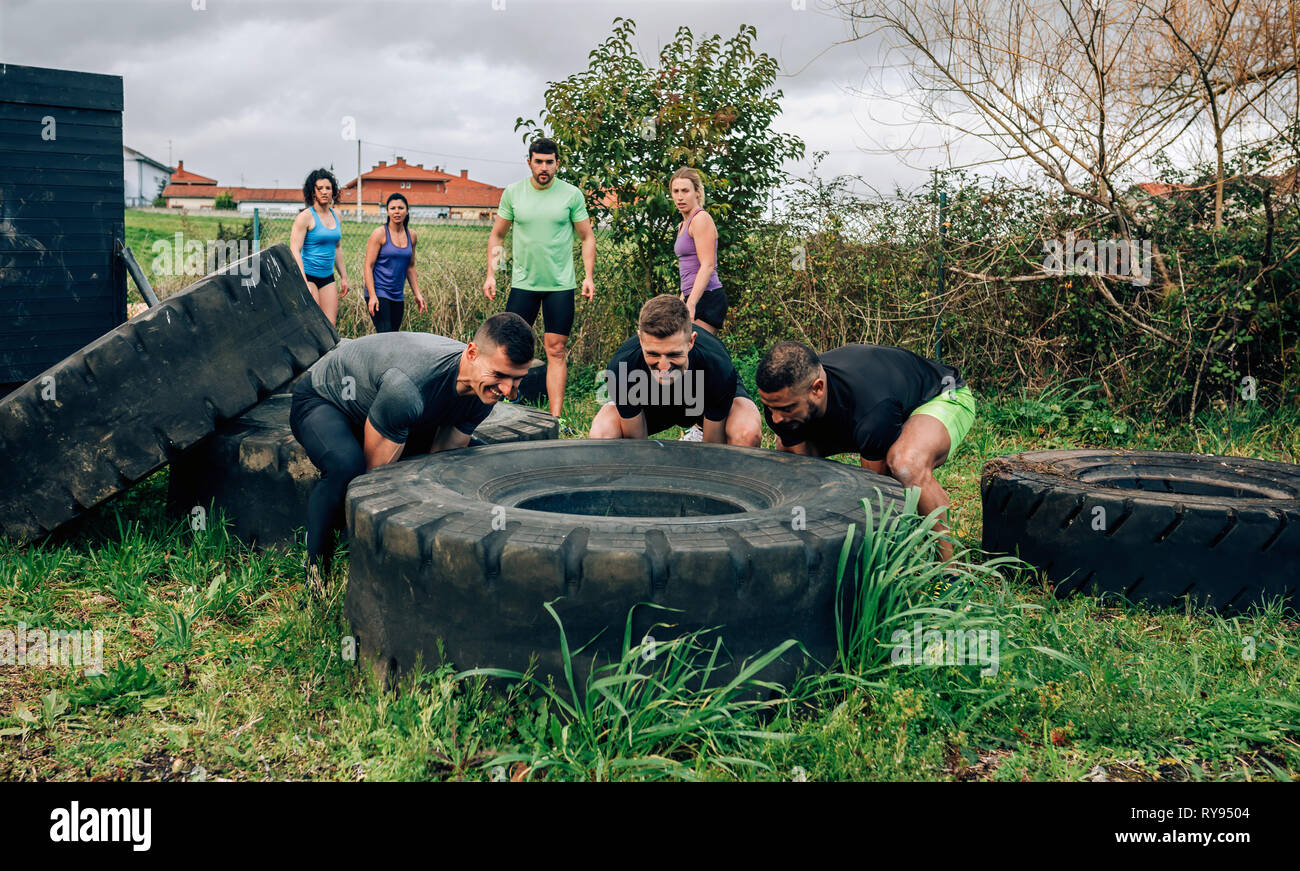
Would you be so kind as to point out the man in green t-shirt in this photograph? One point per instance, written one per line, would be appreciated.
(546, 212)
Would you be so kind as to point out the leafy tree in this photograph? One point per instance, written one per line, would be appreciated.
(224, 201)
(625, 127)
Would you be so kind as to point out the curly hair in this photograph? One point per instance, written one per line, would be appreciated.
(309, 186)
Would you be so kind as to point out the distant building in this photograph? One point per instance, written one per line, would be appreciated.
(286, 201)
(189, 190)
(431, 193)
(145, 177)
(1140, 196)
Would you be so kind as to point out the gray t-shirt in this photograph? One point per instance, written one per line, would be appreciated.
(400, 382)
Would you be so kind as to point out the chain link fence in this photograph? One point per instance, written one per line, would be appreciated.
(450, 266)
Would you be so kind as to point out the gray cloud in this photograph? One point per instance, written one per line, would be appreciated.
(258, 90)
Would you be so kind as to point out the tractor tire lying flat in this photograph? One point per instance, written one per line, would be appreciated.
(1150, 526)
(466, 547)
(120, 408)
(254, 470)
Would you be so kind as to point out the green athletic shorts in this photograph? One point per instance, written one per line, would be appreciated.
(955, 409)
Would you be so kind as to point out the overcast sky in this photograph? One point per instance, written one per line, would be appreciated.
(254, 92)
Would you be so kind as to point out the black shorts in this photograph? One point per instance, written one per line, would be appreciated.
(556, 307)
(712, 307)
(660, 417)
(320, 280)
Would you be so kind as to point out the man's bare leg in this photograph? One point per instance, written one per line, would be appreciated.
(744, 423)
(557, 371)
(921, 448)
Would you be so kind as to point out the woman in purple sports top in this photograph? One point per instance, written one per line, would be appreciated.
(696, 248)
(390, 263)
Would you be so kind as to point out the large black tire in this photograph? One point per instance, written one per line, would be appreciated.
(467, 547)
(1153, 527)
(124, 405)
(254, 470)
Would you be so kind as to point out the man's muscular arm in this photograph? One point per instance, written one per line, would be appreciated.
(378, 450)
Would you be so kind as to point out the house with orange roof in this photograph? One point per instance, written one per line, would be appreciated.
(431, 193)
(189, 190)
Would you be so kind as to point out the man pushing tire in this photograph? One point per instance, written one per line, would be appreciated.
(902, 414)
(363, 402)
(673, 374)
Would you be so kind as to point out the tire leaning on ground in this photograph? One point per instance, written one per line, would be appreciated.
(1151, 526)
(466, 548)
(121, 407)
(254, 470)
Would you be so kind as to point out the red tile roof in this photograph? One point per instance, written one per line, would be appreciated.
(400, 170)
(275, 195)
(240, 194)
(201, 191)
(485, 196)
(184, 176)
(1283, 183)
(430, 187)
(1160, 189)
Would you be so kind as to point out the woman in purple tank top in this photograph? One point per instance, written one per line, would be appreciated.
(696, 248)
(390, 263)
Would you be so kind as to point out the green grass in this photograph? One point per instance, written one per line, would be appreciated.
(214, 669)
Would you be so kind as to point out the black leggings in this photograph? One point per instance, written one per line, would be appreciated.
(334, 447)
(389, 317)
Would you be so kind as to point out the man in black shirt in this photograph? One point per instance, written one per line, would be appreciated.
(902, 414)
(670, 374)
(366, 400)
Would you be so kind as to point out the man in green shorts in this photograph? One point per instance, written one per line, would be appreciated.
(546, 212)
(902, 414)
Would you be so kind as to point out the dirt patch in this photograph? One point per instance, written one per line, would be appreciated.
(986, 763)
(29, 761)
(1001, 467)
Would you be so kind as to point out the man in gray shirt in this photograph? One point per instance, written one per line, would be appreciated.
(368, 399)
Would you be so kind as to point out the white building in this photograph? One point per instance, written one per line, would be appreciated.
(145, 177)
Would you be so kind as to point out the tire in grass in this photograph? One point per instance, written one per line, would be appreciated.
(120, 408)
(457, 553)
(257, 473)
(1150, 526)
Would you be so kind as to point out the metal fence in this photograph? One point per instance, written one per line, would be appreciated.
(450, 265)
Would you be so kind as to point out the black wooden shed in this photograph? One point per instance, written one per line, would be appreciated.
(61, 215)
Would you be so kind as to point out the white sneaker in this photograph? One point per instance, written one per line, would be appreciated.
(694, 434)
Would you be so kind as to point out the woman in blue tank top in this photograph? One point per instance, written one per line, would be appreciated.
(316, 241)
(390, 263)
